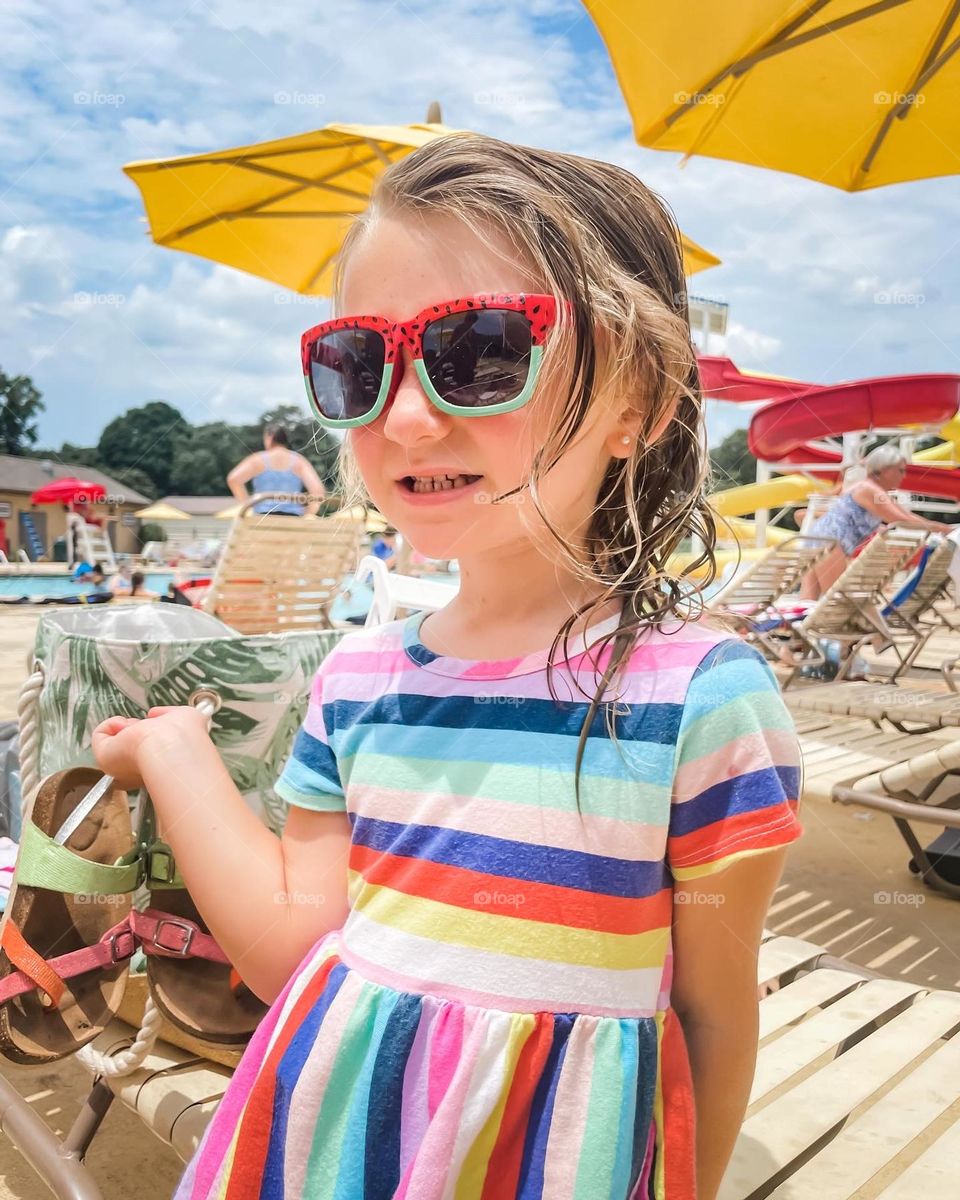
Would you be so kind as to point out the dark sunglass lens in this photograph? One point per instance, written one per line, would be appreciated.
(479, 358)
(346, 371)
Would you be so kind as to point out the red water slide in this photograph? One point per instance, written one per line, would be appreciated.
(780, 431)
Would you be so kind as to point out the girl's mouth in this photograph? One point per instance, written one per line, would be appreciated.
(420, 485)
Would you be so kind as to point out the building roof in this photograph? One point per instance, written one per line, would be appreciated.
(199, 506)
(27, 474)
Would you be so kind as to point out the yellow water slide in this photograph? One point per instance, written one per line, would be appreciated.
(949, 449)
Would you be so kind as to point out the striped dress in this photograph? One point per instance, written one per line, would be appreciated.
(493, 1020)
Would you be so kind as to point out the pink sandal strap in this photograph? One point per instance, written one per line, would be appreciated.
(174, 937)
(116, 945)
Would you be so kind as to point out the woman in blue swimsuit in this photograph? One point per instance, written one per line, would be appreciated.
(277, 469)
(859, 511)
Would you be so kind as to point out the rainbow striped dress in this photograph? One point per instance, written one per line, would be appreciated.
(493, 1020)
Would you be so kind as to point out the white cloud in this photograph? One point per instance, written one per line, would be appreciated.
(749, 346)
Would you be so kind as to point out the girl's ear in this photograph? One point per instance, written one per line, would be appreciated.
(623, 440)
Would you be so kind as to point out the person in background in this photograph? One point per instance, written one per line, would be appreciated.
(85, 573)
(122, 583)
(862, 508)
(385, 547)
(137, 587)
(277, 469)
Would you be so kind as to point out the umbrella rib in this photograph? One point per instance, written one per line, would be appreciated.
(933, 62)
(252, 210)
(302, 183)
(780, 43)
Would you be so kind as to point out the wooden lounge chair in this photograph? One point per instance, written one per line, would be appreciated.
(911, 776)
(857, 1075)
(281, 573)
(849, 612)
(922, 608)
(907, 709)
(748, 599)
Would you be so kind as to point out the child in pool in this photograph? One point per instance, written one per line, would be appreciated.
(510, 932)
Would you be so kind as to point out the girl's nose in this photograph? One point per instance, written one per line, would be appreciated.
(410, 415)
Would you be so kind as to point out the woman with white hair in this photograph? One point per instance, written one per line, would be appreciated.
(861, 508)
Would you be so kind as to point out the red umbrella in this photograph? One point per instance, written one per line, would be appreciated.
(68, 491)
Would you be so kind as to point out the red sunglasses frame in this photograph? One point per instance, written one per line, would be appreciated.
(540, 311)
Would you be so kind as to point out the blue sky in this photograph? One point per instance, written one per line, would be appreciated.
(102, 319)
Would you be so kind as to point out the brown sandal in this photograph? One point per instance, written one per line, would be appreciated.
(65, 938)
(191, 980)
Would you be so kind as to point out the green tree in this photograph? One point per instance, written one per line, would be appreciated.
(21, 403)
(146, 438)
(732, 463)
(86, 456)
(137, 480)
(203, 460)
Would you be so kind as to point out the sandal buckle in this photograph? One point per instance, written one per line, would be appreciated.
(166, 870)
(184, 928)
(122, 950)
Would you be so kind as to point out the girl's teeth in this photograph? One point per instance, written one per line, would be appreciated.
(439, 483)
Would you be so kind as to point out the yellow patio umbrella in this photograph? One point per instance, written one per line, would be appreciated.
(228, 514)
(853, 93)
(280, 209)
(161, 512)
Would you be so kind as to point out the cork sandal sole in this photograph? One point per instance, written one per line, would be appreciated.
(196, 994)
(53, 923)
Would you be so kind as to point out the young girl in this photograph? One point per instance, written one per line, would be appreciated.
(510, 932)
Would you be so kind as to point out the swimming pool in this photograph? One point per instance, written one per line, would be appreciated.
(62, 585)
(354, 600)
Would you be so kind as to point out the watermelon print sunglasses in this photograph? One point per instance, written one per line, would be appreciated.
(474, 357)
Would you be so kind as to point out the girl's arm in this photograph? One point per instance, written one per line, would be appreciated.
(875, 500)
(240, 475)
(266, 900)
(718, 922)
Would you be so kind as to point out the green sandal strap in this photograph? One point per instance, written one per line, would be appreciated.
(161, 869)
(44, 863)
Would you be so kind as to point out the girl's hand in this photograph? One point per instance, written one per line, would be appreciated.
(116, 745)
(120, 744)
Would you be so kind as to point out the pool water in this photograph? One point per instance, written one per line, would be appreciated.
(353, 601)
(61, 585)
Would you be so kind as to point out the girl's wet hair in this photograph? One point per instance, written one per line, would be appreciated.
(593, 234)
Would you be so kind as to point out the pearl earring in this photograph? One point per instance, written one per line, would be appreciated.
(625, 439)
